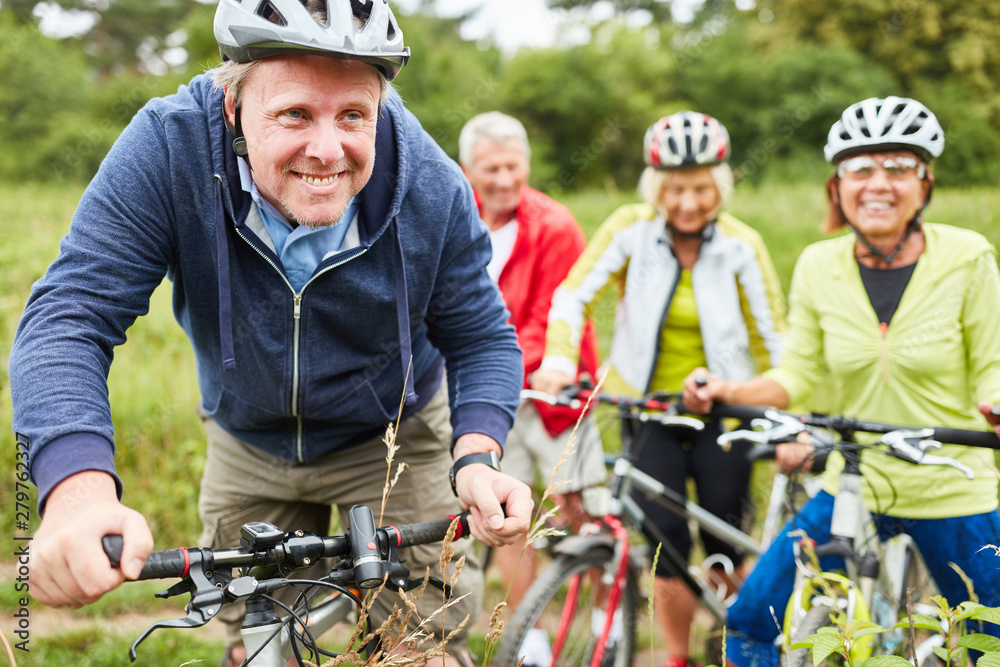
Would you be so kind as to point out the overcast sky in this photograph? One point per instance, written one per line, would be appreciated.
(512, 24)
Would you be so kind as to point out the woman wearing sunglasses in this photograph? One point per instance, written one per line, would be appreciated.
(899, 320)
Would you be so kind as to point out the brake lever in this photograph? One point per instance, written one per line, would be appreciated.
(206, 601)
(777, 427)
(677, 420)
(912, 446)
(562, 398)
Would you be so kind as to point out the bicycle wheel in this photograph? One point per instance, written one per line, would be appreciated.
(564, 603)
(817, 617)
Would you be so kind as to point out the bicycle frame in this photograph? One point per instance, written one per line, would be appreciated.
(869, 592)
(854, 537)
(624, 512)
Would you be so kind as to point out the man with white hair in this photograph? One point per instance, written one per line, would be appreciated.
(535, 243)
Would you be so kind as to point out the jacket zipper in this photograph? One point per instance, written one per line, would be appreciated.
(659, 329)
(883, 352)
(296, 318)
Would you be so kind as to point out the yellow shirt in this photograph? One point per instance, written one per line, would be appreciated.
(681, 346)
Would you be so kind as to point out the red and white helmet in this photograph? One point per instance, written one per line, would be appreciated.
(890, 124)
(363, 30)
(686, 139)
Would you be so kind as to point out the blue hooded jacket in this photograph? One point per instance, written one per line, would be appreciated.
(298, 375)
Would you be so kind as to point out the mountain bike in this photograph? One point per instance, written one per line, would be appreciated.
(586, 601)
(365, 557)
(881, 577)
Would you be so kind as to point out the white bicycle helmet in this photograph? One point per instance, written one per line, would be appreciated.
(686, 139)
(363, 30)
(890, 124)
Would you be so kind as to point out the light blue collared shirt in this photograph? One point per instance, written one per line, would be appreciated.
(301, 248)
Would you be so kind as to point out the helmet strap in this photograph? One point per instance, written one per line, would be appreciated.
(912, 226)
(239, 141)
(705, 233)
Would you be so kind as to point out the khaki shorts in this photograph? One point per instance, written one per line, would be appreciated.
(242, 483)
(531, 453)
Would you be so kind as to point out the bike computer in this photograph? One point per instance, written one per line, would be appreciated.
(258, 535)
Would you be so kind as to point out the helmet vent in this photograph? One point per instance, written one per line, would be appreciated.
(269, 12)
(362, 11)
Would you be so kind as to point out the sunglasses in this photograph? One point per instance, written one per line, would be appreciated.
(896, 168)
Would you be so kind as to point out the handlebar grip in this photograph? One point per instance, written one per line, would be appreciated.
(113, 548)
(760, 452)
(159, 565)
(742, 412)
(957, 436)
(431, 531)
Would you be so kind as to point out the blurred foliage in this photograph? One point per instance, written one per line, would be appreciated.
(450, 80)
(779, 104)
(777, 76)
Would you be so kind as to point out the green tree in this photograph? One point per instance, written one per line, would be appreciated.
(126, 32)
(778, 102)
(942, 52)
(587, 108)
(44, 88)
(448, 80)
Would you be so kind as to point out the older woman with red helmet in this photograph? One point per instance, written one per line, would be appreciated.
(698, 288)
(898, 318)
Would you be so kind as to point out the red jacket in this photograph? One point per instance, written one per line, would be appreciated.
(549, 240)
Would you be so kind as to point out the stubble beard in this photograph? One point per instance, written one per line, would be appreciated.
(347, 171)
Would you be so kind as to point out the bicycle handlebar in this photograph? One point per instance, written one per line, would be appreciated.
(842, 425)
(293, 548)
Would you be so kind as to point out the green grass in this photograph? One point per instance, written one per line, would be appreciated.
(98, 647)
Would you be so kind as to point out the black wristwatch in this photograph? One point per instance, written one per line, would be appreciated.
(486, 458)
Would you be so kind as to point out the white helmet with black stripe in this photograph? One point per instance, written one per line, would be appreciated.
(363, 30)
(686, 139)
(890, 124)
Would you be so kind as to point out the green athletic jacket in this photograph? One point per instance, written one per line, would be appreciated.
(939, 356)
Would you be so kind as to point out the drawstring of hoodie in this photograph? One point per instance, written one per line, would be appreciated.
(403, 316)
(225, 290)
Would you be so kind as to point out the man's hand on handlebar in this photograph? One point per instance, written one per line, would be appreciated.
(70, 568)
(482, 490)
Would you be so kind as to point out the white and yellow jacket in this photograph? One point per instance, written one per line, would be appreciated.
(739, 299)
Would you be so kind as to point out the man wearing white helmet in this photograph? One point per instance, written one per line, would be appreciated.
(328, 265)
(899, 318)
(698, 288)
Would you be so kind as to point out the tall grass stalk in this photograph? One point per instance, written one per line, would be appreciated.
(540, 527)
(650, 605)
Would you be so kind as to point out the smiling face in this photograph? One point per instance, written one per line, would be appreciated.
(690, 199)
(882, 205)
(309, 123)
(498, 172)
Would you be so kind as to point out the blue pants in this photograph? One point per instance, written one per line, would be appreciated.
(956, 540)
